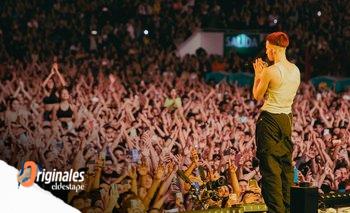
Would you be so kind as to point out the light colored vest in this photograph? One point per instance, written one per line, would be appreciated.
(280, 98)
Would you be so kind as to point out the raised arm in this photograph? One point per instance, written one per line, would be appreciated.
(165, 185)
(233, 178)
(63, 82)
(261, 80)
(48, 78)
(155, 184)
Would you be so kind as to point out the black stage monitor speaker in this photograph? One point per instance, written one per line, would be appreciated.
(334, 199)
(304, 199)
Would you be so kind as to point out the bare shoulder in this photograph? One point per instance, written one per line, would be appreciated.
(271, 71)
(291, 65)
(272, 75)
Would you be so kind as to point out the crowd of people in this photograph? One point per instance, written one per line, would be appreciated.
(108, 29)
(139, 139)
(318, 30)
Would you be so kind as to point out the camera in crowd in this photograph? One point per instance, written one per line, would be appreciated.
(209, 194)
(213, 185)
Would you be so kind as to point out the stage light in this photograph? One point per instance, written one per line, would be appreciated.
(145, 32)
(319, 13)
(275, 21)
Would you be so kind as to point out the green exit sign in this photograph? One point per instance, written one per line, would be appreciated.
(244, 44)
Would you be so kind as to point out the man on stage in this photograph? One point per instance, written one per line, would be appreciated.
(279, 82)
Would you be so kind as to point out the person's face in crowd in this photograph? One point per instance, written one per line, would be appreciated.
(15, 105)
(147, 181)
(119, 154)
(334, 137)
(47, 132)
(337, 131)
(243, 185)
(108, 168)
(237, 109)
(217, 164)
(17, 131)
(79, 203)
(143, 192)
(223, 191)
(216, 150)
(344, 146)
(50, 84)
(123, 188)
(127, 182)
(344, 173)
(120, 166)
(247, 137)
(82, 133)
(110, 135)
(150, 116)
(173, 93)
(186, 100)
(21, 99)
(327, 138)
(202, 144)
(312, 151)
(337, 174)
(65, 95)
(319, 128)
(99, 204)
(248, 165)
(295, 134)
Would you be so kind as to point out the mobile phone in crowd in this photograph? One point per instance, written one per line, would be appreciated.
(179, 197)
(238, 158)
(318, 96)
(114, 187)
(102, 156)
(253, 183)
(135, 156)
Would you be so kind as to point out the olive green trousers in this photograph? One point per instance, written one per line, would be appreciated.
(274, 151)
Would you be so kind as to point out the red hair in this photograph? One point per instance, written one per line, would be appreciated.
(278, 38)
